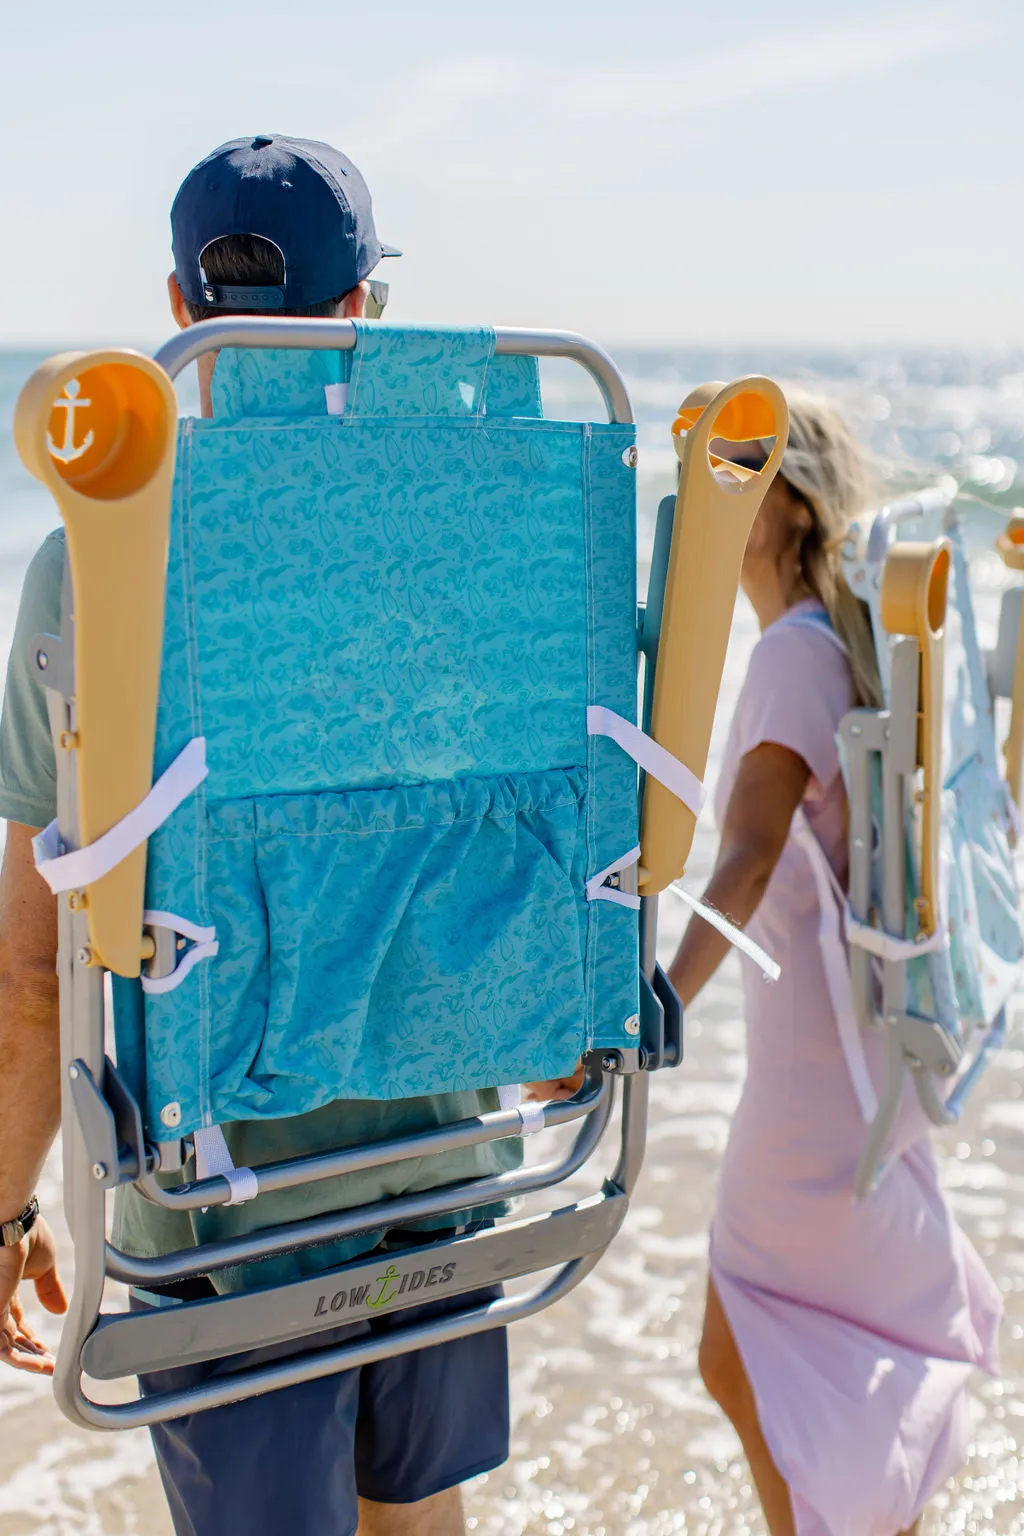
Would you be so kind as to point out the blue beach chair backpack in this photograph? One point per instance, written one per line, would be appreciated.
(389, 829)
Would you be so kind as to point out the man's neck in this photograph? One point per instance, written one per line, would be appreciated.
(204, 369)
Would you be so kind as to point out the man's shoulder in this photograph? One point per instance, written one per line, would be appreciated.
(43, 579)
(28, 775)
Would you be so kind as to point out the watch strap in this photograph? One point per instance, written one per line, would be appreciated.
(12, 1232)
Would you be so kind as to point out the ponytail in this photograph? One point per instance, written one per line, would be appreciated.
(850, 619)
(826, 466)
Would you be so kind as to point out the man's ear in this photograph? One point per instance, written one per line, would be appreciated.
(179, 309)
(353, 305)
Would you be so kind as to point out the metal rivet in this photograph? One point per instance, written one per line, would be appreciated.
(856, 730)
(69, 740)
(99, 1170)
(76, 901)
(632, 1024)
(73, 1072)
(630, 457)
(84, 955)
(171, 1113)
(42, 660)
(610, 1063)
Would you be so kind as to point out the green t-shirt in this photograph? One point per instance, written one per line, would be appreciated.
(28, 787)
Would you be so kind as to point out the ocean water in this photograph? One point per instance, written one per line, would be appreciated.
(613, 1434)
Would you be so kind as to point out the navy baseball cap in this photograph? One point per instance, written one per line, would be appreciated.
(304, 197)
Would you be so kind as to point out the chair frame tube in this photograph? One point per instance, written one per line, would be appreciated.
(341, 336)
(476, 1131)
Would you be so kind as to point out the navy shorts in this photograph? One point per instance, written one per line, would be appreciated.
(296, 1460)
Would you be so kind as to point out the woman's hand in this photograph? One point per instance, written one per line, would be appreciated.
(770, 784)
(34, 1258)
(555, 1087)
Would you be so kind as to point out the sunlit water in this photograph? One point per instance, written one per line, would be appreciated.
(613, 1433)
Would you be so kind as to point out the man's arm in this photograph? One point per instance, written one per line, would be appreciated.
(29, 1086)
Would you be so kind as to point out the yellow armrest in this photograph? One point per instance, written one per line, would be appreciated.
(1010, 545)
(915, 582)
(98, 429)
(715, 508)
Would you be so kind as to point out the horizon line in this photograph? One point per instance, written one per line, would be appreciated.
(936, 347)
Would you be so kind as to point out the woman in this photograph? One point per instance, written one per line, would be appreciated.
(839, 1333)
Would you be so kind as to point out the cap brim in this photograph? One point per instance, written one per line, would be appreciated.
(390, 250)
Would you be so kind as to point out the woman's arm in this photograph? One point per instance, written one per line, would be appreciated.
(769, 786)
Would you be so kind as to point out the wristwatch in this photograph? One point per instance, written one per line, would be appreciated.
(12, 1232)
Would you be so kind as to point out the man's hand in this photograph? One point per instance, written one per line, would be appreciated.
(555, 1088)
(34, 1258)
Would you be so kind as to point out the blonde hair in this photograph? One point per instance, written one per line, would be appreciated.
(826, 466)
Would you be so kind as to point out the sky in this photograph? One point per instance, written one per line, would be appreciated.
(810, 172)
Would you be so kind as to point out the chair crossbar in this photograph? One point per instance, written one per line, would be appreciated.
(269, 1242)
(161, 1338)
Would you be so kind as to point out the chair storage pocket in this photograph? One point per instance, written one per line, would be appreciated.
(419, 940)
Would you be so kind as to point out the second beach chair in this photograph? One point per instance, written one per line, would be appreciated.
(933, 918)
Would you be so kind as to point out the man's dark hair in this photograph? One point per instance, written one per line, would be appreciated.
(251, 261)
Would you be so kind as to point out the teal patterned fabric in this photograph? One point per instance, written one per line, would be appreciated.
(275, 383)
(292, 383)
(388, 626)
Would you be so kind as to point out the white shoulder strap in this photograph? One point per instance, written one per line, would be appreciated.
(645, 751)
(736, 936)
(832, 910)
(67, 871)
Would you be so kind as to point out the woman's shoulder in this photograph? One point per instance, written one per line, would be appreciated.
(800, 644)
(798, 688)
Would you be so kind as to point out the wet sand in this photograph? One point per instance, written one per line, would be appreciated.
(613, 1433)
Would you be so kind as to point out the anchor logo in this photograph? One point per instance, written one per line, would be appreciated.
(68, 452)
(388, 1290)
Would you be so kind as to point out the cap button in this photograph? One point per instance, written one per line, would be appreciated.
(262, 140)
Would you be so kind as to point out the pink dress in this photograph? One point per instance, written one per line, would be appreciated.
(859, 1321)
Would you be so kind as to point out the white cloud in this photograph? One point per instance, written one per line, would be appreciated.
(469, 98)
(773, 65)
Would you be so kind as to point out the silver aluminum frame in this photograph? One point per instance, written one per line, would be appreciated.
(918, 1045)
(568, 1241)
(341, 335)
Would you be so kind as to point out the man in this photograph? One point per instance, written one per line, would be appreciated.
(281, 226)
